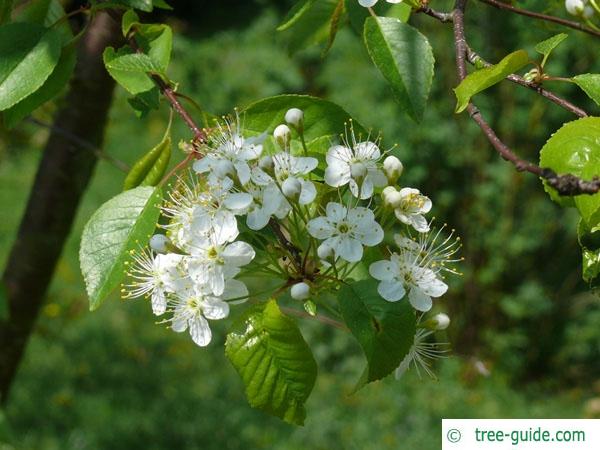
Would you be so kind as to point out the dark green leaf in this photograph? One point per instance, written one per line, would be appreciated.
(485, 78)
(47, 13)
(321, 117)
(5, 11)
(149, 169)
(29, 54)
(590, 84)
(55, 83)
(161, 4)
(274, 362)
(156, 41)
(404, 57)
(294, 14)
(334, 25)
(546, 47)
(129, 19)
(142, 5)
(131, 72)
(385, 330)
(590, 252)
(144, 102)
(119, 226)
(4, 311)
(311, 27)
(575, 149)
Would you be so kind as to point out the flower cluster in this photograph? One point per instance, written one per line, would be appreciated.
(279, 208)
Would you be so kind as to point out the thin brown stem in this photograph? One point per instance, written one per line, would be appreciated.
(566, 184)
(321, 318)
(524, 12)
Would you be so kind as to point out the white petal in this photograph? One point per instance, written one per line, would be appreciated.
(419, 223)
(419, 299)
(204, 165)
(308, 193)
(367, 150)
(179, 322)
(235, 289)
(370, 235)
(377, 177)
(257, 219)
(335, 212)
(361, 217)
(159, 302)
(391, 290)
(367, 3)
(303, 165)
(215, 309)
(336, 175)
(383, 270)
(243, 171)
(366, 190)
(238, 254)
(429, 283)
(238, 201)
(320, 228)
(260, 177)
(200, 330)
(349, 249)
(339, 153)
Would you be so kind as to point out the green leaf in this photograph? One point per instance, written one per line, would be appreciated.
(29, 54)
(358, 14)
(161, 4)
(146, 101)
(157, 41)
(385, 330)
(546, 47)
(274, 362)
(590, 252)
(122, 224)
(575, 149)
(321, 117)
(311, 27)
(47, 13)
(590, 84)
(334, 25)
(4, 311)
(129, 19)
(294, 14)
(405, 59)
(485, 78)
(142, 5)
(131, 72)
(150, 168)
(55, 83)
(5, 11)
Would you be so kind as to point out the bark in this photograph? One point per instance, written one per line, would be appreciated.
(62, 177)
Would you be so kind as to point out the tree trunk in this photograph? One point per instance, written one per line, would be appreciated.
(62, 177)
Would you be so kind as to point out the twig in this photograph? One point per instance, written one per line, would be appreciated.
(121, 165)
(441, 16)
(474, 58)
(567, 184)
(524, 12)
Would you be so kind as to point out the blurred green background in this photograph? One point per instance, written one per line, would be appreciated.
(525, 332)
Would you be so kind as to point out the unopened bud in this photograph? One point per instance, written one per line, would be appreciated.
(588, 12)
(160, 243)
(393, 168)
(575, 7)
(300, 291)
(532, 75)
(391, 197)
(438, 322)
(283, 136)
(291, 188)
(295, 118)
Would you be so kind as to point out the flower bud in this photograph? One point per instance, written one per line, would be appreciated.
(160, 243)
(295, 118)
(224, 168)
(291, 188)
(575, 7)
(391, 197)
(441, 321)
(393, 168)
(300, 291)
(588, 12)
(283, 136)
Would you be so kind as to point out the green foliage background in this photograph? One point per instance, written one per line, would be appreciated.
(114, 379)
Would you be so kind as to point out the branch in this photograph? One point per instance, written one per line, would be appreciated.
(524, 12)
(567, 184)
(474, 58)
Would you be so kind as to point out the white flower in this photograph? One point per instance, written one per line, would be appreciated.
(346, 230)
(356, 167)
(154, 276)
(410, 207)
(213, 261)
(268, 201)
(193, 306)
(421, 353)
(229, 153)
(283, 136)
(401, 273)
(370, 3)
(415, 269)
